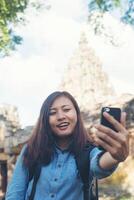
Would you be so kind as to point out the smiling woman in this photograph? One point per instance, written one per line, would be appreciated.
(57, 140)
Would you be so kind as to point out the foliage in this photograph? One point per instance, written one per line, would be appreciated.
(9, 14)
(126, 198)
(120, 183)
(110, 5)
(12, 14)
(103, 5)
(122, 9)
(129, 14)
(119, 176)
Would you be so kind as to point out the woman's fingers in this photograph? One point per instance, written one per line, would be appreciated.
(123, 119)
(106, 140)
(107, 132)
(118, 126)
(118, 148)
(115, 142)
(110, 135)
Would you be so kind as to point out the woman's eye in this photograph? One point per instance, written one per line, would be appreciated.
(52, 113)
(67, 109)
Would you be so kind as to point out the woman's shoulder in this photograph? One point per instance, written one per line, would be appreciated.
(23, 149)
(22, 152)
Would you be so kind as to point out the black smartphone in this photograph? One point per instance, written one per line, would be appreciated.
(115, 112)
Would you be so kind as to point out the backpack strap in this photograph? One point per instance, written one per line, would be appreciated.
(34, 173)
(83, 164)
(94, 190)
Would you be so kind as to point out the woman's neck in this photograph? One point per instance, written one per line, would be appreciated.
(63, 143)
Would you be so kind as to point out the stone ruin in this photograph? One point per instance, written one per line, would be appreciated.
(12, 138)
(11, 134)
(84, 77)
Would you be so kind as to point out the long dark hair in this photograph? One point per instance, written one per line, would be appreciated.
(40, 147)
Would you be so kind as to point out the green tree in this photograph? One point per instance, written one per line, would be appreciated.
(121, 9)
(12, 14)
(126, 8)
(9, 15)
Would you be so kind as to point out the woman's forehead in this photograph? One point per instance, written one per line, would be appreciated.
(61, 101)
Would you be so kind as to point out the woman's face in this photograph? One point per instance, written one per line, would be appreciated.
(63, 117)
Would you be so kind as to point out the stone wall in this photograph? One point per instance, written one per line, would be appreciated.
(11, 134)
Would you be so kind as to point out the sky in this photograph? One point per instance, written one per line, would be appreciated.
(50, 37)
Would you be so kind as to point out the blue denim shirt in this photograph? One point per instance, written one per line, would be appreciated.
(60, 180)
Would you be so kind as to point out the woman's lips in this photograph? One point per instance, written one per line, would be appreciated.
(63, 125)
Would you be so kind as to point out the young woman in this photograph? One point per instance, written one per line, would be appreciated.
(57, 138)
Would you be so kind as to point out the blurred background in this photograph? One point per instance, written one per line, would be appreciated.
(84, 47)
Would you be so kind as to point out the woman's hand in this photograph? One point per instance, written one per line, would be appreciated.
(114, 142)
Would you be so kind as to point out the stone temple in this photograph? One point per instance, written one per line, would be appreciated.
(84, 77)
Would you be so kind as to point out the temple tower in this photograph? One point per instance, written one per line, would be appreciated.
(84, 77)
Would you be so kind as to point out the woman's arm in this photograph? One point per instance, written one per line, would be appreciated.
(116, 143)
(95, 169)
(18, 184)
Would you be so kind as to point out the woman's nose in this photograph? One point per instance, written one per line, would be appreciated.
(60, 115)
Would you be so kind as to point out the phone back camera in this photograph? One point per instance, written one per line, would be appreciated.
(106, 109)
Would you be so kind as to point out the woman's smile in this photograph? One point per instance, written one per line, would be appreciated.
(63, 125)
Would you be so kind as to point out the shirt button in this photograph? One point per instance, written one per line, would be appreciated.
(52, 195)
(55, 179)
(59, 165)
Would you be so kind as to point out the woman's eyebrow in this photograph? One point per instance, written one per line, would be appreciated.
(54, 108)
(65, 106)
